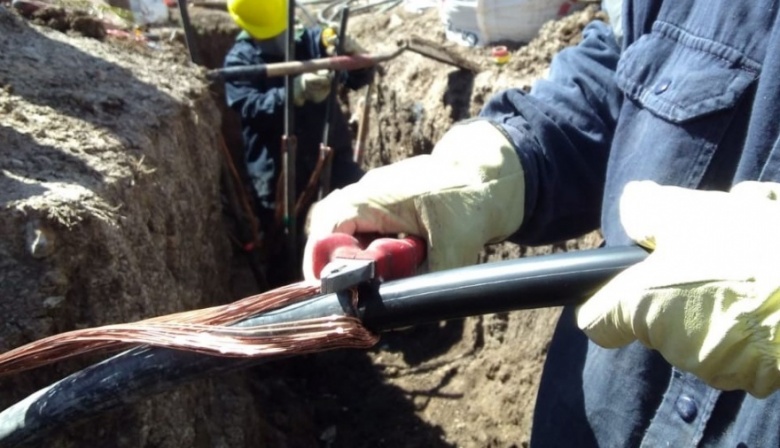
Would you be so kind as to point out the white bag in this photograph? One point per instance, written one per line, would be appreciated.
(482, 22)
(149, 11)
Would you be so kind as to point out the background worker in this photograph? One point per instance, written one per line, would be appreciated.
(261, 103)
(682, 349)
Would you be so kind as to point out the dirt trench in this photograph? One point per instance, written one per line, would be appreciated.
(112, 212)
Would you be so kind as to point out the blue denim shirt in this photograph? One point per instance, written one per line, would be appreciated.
(691, 99)
(260, 104)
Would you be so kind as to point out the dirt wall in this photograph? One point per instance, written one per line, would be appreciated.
(110, 208)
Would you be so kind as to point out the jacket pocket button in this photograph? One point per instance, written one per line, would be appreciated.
(686, 408)
(662, 86)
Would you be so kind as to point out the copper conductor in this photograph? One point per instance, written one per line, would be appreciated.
(205, 331)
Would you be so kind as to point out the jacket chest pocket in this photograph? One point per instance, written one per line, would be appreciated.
(679, 77)
(682, 93)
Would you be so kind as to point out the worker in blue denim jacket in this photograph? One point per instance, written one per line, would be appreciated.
(669, 138)
(261, 103)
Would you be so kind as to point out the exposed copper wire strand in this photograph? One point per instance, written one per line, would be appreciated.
(254, 227)
(205, 331)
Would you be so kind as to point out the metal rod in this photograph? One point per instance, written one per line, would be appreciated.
(189, 35)
(362, 133)
(290, 155)
(325, 147)
(432, 50)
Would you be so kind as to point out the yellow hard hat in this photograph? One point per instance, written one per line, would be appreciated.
(262, 19)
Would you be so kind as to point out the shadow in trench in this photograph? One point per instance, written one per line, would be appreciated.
(51, 73)
(34, 161)
(351, 404)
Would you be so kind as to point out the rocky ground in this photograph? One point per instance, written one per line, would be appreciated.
(112, 212)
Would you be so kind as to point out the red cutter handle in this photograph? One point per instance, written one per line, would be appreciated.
(394, 257)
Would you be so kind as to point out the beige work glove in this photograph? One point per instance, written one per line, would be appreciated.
(708, 297)
(330, 38)
(468, 192)
(314, 87)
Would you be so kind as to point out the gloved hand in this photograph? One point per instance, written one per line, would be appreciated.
(708, 297)
(467, 193)
(313, 87)
(330, 38)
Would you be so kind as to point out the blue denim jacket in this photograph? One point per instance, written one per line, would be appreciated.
(691, 99)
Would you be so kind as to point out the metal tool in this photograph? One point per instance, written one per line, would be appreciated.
(440, 53)
(343, 261)
(362, 133)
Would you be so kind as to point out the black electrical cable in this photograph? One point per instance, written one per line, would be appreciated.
(535, 282)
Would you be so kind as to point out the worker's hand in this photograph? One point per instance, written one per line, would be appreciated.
(468, 192)
(708, 297)
(314, 87)
(330, 38)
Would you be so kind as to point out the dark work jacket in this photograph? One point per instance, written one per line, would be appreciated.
(691, 98)
(260, 104)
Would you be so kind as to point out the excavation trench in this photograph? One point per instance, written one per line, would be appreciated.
(112, 212)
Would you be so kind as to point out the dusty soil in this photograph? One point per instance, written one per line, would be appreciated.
(112, 212)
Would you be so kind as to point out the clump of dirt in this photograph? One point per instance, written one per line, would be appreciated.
(62, 19)
(112, 213)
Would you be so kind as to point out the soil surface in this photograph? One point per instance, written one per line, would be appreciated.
(110, 174)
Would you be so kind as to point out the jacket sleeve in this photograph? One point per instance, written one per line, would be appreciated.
(562, 131)
(251, 99)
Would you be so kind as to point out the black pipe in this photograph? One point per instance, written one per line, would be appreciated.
(535, 282)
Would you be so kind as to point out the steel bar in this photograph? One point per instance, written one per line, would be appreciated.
(189, 34)
(289, 158)
(332, 102)
(362, 132)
